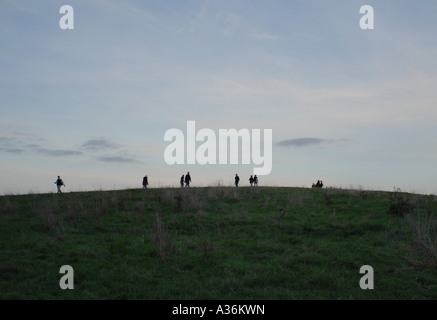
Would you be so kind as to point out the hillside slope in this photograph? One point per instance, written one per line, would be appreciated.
(219, 243)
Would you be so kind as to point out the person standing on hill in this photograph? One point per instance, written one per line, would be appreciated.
(237, 180)
(182, 181)
(187, 179)
(255, 181)
(251, 180)
(59, 183)
(145, 182)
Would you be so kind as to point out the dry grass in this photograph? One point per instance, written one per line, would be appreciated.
(424, 227)
(7, 205)
(161, 239)
(51, 217)
(298, 197)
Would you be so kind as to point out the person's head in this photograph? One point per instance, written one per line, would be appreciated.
(59, 177)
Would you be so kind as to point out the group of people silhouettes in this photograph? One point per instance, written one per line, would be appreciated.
(252, 180)
(319, 184)
(185, 180)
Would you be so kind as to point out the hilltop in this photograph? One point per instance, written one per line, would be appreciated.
(219, 243)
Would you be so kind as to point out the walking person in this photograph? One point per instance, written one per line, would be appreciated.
(59, 183)
(237, 180)
(187, 179)
(251, 180)
(255, 181)
(145, 182)
(182, 181)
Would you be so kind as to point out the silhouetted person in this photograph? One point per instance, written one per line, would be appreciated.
(59, 183)
(319, 184)
(255, 181)
(182, 181)
(187, 179)
(145, 182)
(251, 180)
(237, 180)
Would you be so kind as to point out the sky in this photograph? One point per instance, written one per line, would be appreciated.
(355, 108)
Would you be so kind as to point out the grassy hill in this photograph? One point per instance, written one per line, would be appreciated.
(219, 243)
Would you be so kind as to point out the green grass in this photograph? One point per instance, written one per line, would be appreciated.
(218, 243)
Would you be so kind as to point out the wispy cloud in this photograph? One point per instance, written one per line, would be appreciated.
(97, 147)
(266, 36)
(99, 144)
(117, 159)
(104, 144)
(17, 146)
(306, 142)
(203, 9)
(58, 152)
(11, 150)
(10, 145)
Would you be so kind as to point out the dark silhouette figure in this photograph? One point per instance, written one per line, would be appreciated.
(251, 180)
(255, 181)
(237, 180)
(187, 179)
(319, 184)
(59, 183)
(145, 182)
(182, 181)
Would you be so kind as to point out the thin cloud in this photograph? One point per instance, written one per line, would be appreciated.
(266, 36)
(306, 142)
(58, 153)
(10, 145)
(12, 150)
(117, 159)
(13, 145)
(6, 140)
(99, 144)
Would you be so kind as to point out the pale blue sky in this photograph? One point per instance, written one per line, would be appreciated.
(349, 106)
